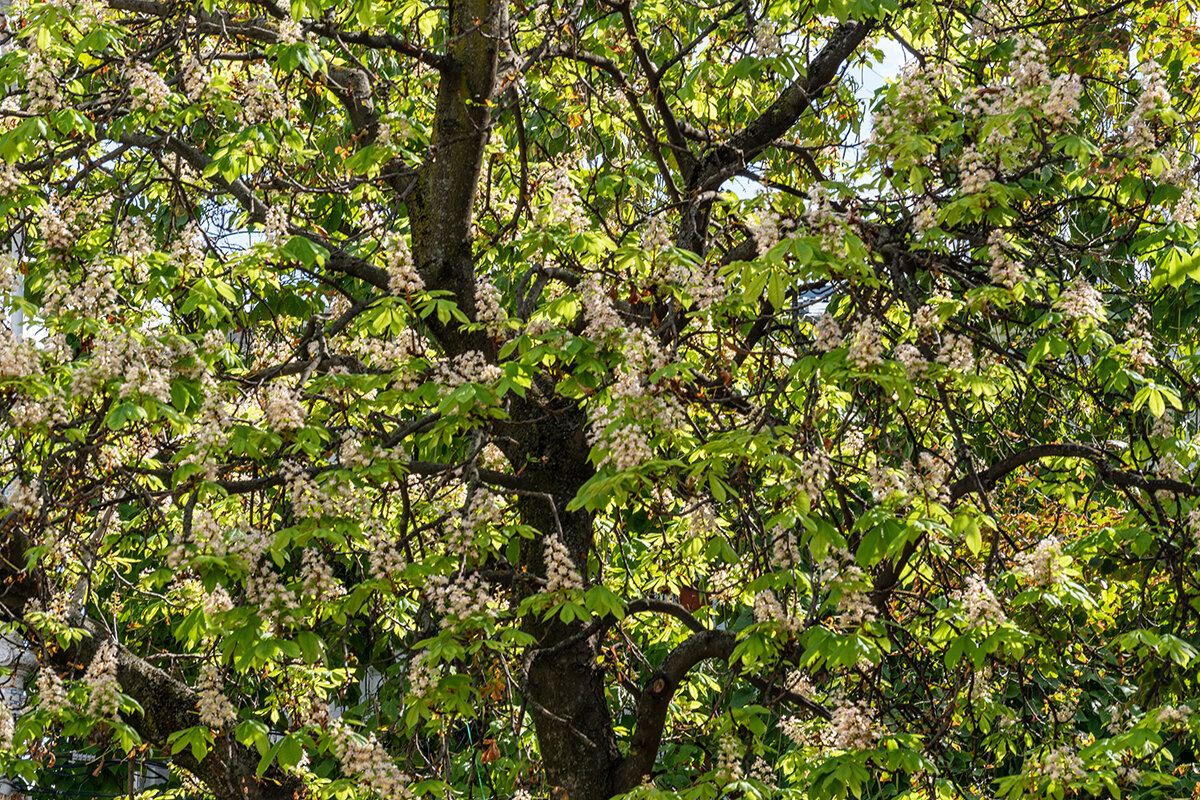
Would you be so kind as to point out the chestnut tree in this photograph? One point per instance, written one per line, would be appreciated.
(599, 397)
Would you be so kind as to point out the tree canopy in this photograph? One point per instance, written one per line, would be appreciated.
(566, 400)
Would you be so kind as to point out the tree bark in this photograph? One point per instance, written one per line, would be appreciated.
(563, 683)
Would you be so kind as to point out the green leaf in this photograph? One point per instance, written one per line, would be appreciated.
(973, 537)
(306, 251)
(1175, 266)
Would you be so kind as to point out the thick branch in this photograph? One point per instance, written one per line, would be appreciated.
(745, 145)
(889, 573)
(169, 705)
(725, 160)
(441, 206)
(656, 699)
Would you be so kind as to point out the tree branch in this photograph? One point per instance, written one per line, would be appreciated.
(656, 699)
(888, 574)
(745, 145)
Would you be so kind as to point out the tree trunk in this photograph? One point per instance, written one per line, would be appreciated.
(564, 684)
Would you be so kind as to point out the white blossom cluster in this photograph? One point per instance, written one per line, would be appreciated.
(821, 218)
(853, 726)
(911, 359)
(215, 709)
(1040, 566)
(187, 250)
(94, 297)
(282, 408)
(133, 240)
(1062, 103)
(386, 559)
(1173, 716)
(762, 772)
(489, 310)
(980, 603)
(703, 285)
(1193, 520)
(247, 544)
(766, 38)
(850, 444)
(1030, 72)
(801, 732)
(317, 580)
(392, 352)
(927, 318)
(101, 679)
(7, 726)
(51, 693)
(917, 93)
(885, 481)
(422, 675)
(196, 79)
(216, 602)
(767, 608)
(784, 553)
(814, 472)
(209, 428)
(365, 758)
(854, 606)
(22, 498)
(402, 272)
(84, 14)
(18, 359)
(956, 354)
(42, 95)
(768, 231)
(1063, 763)
(994, 18)
(927, 478)
(603, 324)
(458, 599)
(1153, 99)
(308, 499)
(1129, 775)
(854, 609)
(827, 334)
(564, 206)
(560, 570)
(729, 759)
(866, 346)
(1185, 210)
(924, 218)
(275, 227)
(266, 592)
(1003, 269)
(57, 221)
(290, 31)
(700, 281)
(353, 453)
(799, 683)
(148, 89)
(468, 367)
(11, 179)
(335, 496)
(974, 172)
(621, 428)
(30, 412)
(1141, 355)
(262, 99)
(465, 525)
(1081, 301)
(147, 380)
(657, 236)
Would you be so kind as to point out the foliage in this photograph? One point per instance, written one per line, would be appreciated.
(415, 399)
